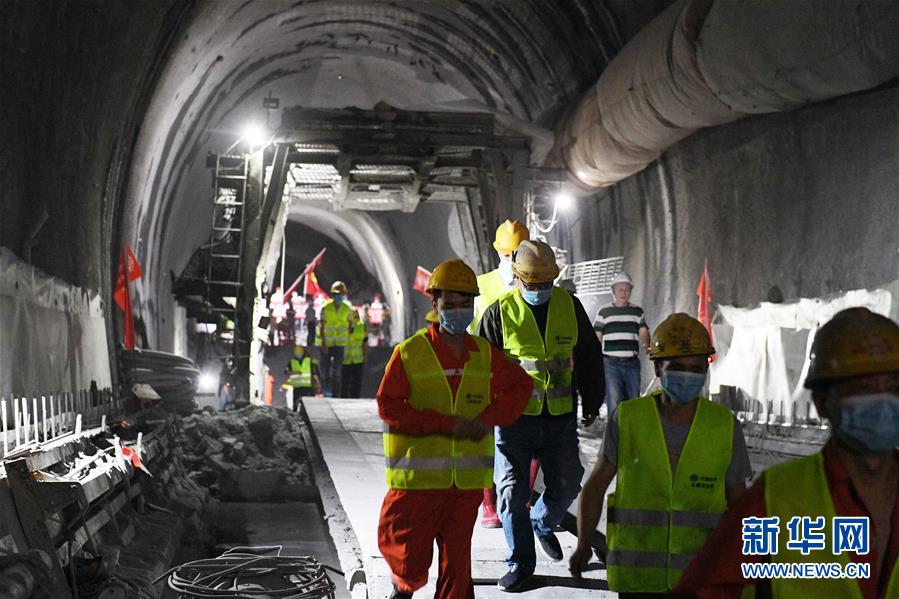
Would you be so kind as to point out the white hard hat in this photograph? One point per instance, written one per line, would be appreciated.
(621, 277)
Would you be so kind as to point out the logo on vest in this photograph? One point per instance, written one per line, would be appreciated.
(564, 339)
(474, 398)
(703, 482)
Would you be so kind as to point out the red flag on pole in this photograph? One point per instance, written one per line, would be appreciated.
(704, 291)
(309, 268)
(311, 287)
(422, 277)
(129, 270)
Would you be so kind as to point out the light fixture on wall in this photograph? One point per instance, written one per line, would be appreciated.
(253, 134)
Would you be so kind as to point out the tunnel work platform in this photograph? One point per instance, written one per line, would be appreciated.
(347, 445)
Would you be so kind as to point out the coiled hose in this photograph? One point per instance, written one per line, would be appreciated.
(247, 572)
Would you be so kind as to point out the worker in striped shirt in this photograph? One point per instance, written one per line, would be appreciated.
(621, 328)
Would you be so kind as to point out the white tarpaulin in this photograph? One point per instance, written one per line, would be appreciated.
(755, 360)
(52, 334)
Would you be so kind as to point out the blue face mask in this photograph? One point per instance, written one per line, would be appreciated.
(538, 297)
(505, 271)
(456, 321)
(866, 423)
(682, 387)
(338, 299)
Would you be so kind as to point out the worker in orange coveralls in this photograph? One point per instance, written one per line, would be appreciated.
(442, 394)
(853, 375)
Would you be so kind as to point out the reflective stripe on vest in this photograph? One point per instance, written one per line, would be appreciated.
(490, 288)
(354, 353)
(300, 372)
(441, 461)
(799, 488)
(336, 324)
(656, 521)
(546, 358)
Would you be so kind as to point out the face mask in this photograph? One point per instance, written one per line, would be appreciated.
(505, 271)
(536, 298)
(338, 299)
(866, 423)
(456, 321)
(682, 387)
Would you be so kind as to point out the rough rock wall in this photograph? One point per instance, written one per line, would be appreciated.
(803, 201)
(75, 77)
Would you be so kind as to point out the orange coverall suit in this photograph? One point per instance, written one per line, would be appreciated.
(411, 520)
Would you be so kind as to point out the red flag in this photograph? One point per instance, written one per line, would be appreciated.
(422, 277)
(126, 260)
(704, 291)
(129, 270)
(309, 268)
(311, 287)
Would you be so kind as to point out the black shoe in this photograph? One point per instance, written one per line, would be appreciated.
(550, 547)
(396, 594)
(513, 580)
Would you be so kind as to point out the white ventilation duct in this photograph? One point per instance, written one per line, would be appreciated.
(708, 62)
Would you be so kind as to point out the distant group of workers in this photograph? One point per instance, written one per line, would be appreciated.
(464, 412)
(333, 360)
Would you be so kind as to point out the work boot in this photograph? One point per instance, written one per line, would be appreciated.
(550, 547)
(513, 580)
(396, 594)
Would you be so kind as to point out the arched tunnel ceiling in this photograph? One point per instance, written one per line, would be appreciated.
(524, 58)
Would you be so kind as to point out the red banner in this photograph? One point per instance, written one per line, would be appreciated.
(704, 291)
(309, 268)
(422, 277)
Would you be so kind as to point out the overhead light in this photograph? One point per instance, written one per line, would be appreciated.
(208, 382)
(255, 135)
(563, 200)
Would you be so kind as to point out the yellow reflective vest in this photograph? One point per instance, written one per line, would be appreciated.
(546, 358)
(799, 488)
(354, 354)
(441, 461)
(335, 324)
(490, 288)
(656, 521)
(300, 372)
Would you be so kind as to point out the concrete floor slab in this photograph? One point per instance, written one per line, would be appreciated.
(348, 432)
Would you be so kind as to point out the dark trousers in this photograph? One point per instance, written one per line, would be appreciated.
(352, 380)
(299, 392)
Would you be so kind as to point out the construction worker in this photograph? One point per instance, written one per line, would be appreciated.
(853, 375)
(302, 375)
(491, 286)
(354, 357)
(621, 328)
(680, 461)
(334, 336)
(442, 394)
(547, 330)
(500, 280)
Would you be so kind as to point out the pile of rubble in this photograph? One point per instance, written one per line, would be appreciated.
(265, 443)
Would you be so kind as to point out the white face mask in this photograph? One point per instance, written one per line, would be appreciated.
(505, 271)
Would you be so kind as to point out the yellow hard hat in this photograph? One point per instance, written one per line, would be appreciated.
(855, 342)
(298, 350)
(338, 287)
(534, 262)
(453, 275)
(680, 335)
(432, 316)
(509, 235)
(354, 317)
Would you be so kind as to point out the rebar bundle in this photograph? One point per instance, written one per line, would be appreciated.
(252, 572)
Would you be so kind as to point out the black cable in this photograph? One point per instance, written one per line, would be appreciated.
(247, 572)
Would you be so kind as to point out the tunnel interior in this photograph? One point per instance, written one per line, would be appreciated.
(112, 111)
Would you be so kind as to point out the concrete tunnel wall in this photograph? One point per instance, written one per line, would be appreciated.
(806, 201)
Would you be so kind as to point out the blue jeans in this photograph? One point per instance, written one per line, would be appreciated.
(331, 369)
(622, 381)
(554, 442)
